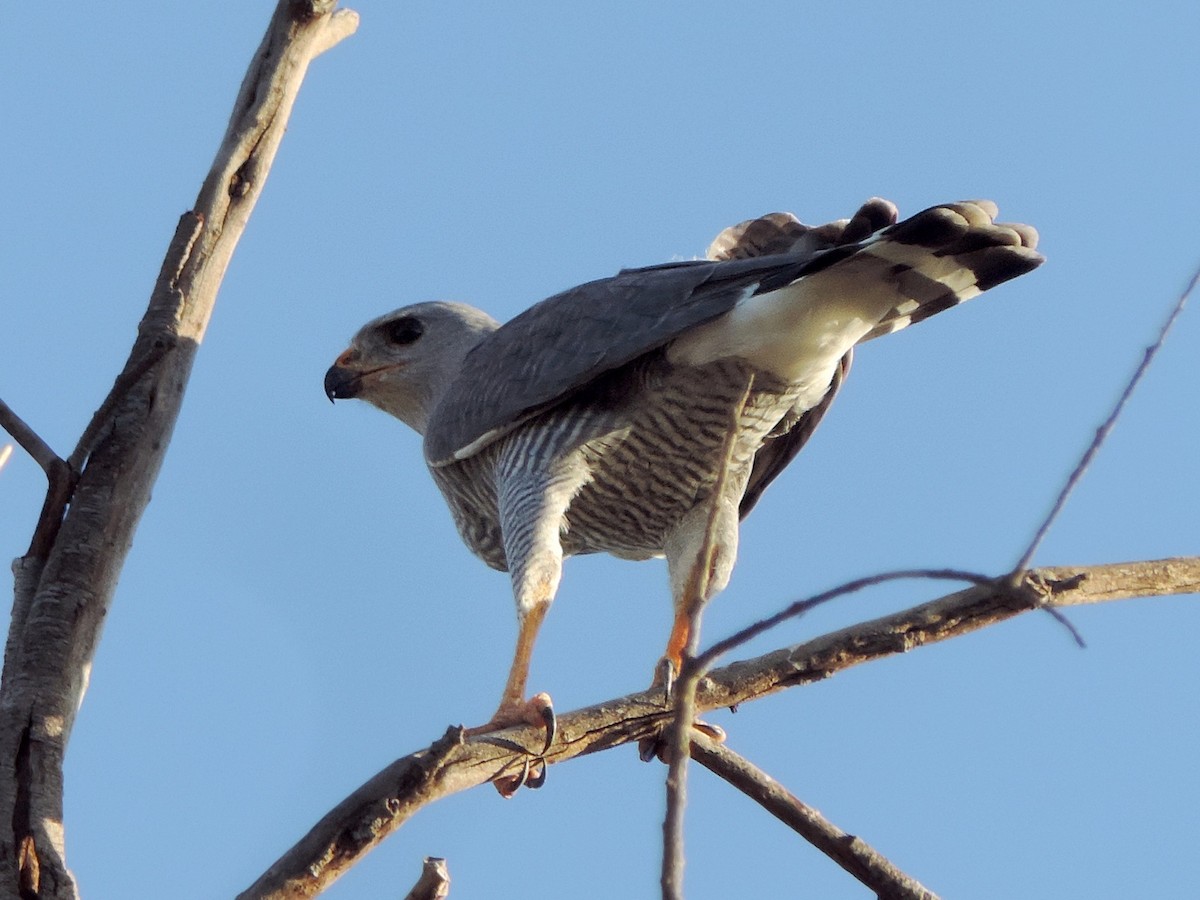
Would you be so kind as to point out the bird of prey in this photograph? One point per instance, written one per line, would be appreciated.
(636, 414)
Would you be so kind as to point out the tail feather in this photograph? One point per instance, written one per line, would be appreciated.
(946, 255)
(851, 281)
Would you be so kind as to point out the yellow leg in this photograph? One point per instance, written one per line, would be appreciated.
(514, 709)
(678, 640)
(512, 701)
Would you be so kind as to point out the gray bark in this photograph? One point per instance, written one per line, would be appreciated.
(65, 584)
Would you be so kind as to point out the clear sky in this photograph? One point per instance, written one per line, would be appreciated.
(298, 611)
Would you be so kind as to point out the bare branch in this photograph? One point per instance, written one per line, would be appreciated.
(800, 607)
(852, 853)
(66, 583)
(339, 26)
(135, 368)
(394, 795)
(434, 883)
(695, 593)
(1103, 431)
(678, 732)
(29, 440)
(60, 480)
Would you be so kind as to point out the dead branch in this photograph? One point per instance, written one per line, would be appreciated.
(850, 852)
(65, 584)
(1106, 427)
(695, 594)
(452, 764)
(28, 439)
(434, 883)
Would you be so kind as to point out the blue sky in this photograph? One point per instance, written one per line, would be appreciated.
(297, 610)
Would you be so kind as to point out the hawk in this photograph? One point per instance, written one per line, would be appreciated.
(635, 414)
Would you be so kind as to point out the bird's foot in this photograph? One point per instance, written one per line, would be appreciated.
(665, 674)
(532, 776)
(656, 746)
(538, 711)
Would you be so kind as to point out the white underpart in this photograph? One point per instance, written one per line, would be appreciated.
(800, 331)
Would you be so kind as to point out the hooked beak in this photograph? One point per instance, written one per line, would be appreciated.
(342, 383)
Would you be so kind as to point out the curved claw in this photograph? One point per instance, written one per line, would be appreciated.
(655, 746)
(545, 710)
(535, 778)
(648, 748)
(664, 675)
(508, 785)
(532, 776)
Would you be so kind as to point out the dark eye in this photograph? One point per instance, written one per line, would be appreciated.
(404, 330)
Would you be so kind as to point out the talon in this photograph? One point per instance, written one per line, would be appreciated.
(507, 785)
(535, 776)
(649, 748)
(537, 711)
(664, 675)
(656, 746)
(551, 722)
(542, 707)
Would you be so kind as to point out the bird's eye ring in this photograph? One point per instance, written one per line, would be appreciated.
(404, 330)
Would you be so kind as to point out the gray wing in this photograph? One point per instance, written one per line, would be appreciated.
(561, 344)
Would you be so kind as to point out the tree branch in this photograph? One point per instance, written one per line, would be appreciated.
(60, 480)
(1103, 431)
(434, 883)
(853, 854)
(452, 764)
(29, 440)
(695, 594)
(65, 585)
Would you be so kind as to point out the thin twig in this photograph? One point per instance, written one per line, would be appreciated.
(852, 853)
(5, 454)
(72, 580)
(60, 480)
(1103, 431)
(29, 440)
(695, 594)
(800, 607)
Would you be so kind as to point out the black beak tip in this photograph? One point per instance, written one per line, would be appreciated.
(340, 383)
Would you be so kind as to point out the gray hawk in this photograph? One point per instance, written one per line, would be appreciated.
(602, 418)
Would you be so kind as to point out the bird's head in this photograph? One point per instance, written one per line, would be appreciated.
(403, 362)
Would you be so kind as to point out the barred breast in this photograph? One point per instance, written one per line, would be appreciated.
(646, 443)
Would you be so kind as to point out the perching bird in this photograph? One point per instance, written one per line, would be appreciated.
(600, 419)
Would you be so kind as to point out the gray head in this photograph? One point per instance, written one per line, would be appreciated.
(403, 362)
